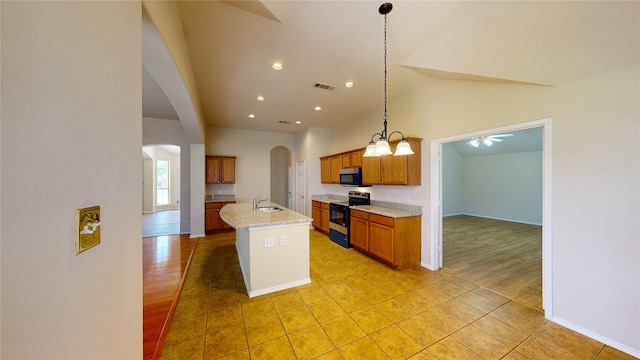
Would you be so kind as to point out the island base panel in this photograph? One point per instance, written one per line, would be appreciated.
(268, 268)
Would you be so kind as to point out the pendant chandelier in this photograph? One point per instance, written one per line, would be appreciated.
(381, 146)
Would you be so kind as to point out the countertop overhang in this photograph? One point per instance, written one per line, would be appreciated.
(242, 215)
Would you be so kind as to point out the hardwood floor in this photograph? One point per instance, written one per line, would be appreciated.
(161, 223)
(502, 256)
(166, 261)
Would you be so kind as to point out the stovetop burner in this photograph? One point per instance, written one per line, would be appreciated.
(359, 198)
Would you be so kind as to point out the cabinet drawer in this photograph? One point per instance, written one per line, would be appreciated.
(383, 220)
(360, 214)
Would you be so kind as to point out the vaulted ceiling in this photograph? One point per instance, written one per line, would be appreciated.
(232, 45)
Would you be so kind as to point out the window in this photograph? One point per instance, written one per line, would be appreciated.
(162, 186)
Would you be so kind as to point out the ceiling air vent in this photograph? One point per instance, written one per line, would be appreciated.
(323, 86)
(284, 122)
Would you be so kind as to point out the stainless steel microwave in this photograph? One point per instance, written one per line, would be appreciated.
(351, 176)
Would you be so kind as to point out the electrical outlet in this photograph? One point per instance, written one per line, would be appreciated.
(268, 242)
(283, 240)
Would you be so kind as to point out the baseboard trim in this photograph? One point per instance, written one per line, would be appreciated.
(603, 339)
(279, 287)
(497, 218)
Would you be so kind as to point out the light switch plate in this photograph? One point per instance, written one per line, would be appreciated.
(87, 228)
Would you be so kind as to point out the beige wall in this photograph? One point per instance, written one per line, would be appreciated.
(595, 169)
(71, 138)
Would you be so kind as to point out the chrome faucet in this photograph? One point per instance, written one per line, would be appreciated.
(257, 202)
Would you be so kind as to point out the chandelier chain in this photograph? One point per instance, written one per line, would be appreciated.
(384, 134)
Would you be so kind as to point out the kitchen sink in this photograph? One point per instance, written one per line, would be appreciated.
(269, 208)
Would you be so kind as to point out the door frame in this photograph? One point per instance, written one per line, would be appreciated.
(436, 200)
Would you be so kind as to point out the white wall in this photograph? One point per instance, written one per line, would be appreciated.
(451, 180)
(596, 171)
(252, 150)
(506, 186)
(71, 138)
(311, 144)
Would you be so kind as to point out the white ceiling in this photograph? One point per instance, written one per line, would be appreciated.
(521, 141)
(233, 43)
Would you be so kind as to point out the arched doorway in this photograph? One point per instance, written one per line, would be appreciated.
(281, 172)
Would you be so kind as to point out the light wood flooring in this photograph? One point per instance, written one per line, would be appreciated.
(505, 257)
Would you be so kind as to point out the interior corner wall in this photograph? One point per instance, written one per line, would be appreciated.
(311, 144)
(71, 138)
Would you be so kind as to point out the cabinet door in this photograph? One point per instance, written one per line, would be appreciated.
(393, 170)
(336, 165)
(381, 241)
(325, 170)
(346, 161)
(316, 214)
(359, 233)
(212, 217)
(223, 225)
(324, 218)
(371, 170)
(212, 169)
(227, 170)
(356, 158)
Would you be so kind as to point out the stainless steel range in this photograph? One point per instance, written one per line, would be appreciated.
(339, 217)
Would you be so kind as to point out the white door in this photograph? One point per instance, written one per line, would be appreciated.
(300, 187)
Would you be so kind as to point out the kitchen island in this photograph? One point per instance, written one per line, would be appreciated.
(272, 245)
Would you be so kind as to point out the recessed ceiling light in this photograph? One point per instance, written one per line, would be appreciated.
(348, 84)
(298, 122)
(260, 98)
(252, 116)
(317, 108)
(277, 66)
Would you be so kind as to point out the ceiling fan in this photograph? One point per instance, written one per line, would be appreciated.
(487, 140)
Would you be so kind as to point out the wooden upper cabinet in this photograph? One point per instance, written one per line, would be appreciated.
(325, 170)
(383, 170)
(220, 170)
(346, 161)
(356, 158)
(371, 170)
(336, 165)
(228, 170)
(402, 170)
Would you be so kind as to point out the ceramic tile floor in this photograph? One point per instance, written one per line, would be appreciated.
(357, 308)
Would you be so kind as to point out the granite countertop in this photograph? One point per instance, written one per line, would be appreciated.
(243, 216)
(329, 198)
(219, 198)
(385, 208)
(386, 211)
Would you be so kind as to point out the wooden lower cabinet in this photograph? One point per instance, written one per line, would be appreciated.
(359, 229)
(213, 222)
(394, 241)
(320, 215)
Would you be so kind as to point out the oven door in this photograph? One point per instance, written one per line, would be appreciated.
(339, 218)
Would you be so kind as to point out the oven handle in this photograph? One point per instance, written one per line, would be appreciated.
(339, 228)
